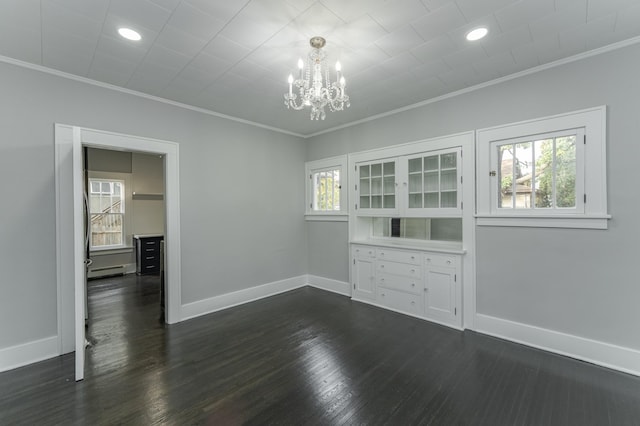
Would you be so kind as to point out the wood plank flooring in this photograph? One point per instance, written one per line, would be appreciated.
(306, 357)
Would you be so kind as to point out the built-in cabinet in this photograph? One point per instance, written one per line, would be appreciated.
(427, 184)
(416, 282)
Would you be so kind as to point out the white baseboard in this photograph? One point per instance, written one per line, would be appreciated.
(328, 284)
(28, 353)
(607, 355)
(228, 300)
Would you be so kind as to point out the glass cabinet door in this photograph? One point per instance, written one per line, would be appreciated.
(377, 185)
(433, 181)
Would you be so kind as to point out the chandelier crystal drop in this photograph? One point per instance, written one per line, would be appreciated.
(313, 86)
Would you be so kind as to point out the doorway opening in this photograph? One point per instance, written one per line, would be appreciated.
(71, 231)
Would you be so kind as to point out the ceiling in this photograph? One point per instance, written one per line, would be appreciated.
(233, 57)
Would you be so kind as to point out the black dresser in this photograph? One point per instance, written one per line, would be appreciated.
(148, 255)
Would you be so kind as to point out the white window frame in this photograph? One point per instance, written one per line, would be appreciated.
(318, 166)
(127, 199)
(590, 172)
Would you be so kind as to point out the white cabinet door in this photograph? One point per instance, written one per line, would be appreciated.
(363, 273)
(432, 184)
(441, 295)
(376, 188)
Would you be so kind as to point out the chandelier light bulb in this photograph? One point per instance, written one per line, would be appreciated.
(338, 66)
(342, 82)
(300, 63)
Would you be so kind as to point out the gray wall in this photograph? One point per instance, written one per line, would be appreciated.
(242, 198)
(581, 282)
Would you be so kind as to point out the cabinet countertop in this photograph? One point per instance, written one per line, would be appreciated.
(439, 246)
(138, 236)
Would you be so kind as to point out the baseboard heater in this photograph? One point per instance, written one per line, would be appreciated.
(106, 271)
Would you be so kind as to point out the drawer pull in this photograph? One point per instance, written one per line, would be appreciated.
(382, 294)
(381, 253)
(382, 266)
(448, 262)
(413, 271)
(413, 284)
(413, 258)
(413, 302)
(150, 266)
(150, 257)
(150, 243)
(428, 259)
(381, 279)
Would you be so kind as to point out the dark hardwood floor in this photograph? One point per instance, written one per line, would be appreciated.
(305, 357)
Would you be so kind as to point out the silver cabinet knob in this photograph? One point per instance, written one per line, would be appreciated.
(413, 284)
(448, 262)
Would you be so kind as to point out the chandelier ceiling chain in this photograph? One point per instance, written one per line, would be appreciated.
(314, 87)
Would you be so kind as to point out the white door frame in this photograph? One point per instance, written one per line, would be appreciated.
(69, 141)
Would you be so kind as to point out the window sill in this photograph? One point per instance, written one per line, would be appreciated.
(551, 221)
(314, 217)
(108, 251)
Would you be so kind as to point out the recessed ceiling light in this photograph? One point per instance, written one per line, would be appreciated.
(477, 33)
(129, 34)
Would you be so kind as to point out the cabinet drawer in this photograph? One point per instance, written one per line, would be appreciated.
(440, 260)
(363, 252)
(398, 256)
(401, 301)
(394, 282)
(402, 269)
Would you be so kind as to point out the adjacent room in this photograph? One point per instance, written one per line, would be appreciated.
(319, 212)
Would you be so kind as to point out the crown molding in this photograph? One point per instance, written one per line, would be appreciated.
(108, 86)
(539, 68)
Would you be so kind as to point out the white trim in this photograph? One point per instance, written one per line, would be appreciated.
(108, 86)
(600, 353)
(539, 68)
(240, 297)
(28, 353)
(327, 284)
(342, 217)
(578, 222)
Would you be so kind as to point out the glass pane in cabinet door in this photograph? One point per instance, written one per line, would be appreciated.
(389, 169)
(431, 181)
(376, 186)
(431, 200)
(389, 201)
(449, 199)
(448, 180)
(365, 187)
(365, 203)
(364, 171)
(389, 185)
(376, 201)
(415, 165)
(415, 201)
(431, 163)
(376, 170)
(448, 161)
(415, 183)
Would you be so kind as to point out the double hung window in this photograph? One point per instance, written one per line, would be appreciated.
(106, 213)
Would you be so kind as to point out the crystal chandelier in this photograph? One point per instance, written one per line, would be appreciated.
(314, 86)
